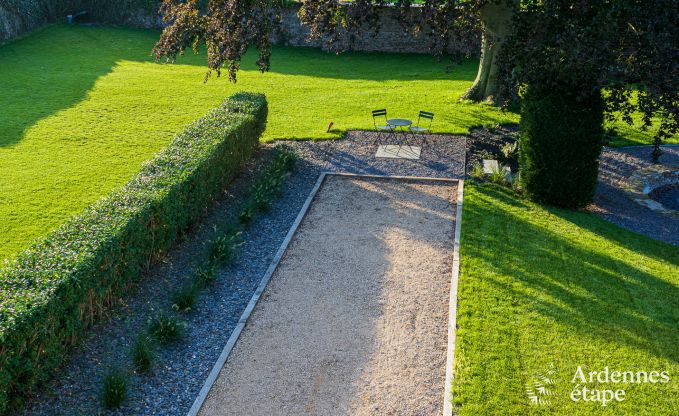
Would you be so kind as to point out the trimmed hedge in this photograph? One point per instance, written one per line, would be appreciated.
(561, 140)
(58, 287)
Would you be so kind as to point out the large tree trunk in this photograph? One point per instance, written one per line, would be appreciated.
(496, 18)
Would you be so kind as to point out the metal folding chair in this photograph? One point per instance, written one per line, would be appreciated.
(377, 119)
(420, 129)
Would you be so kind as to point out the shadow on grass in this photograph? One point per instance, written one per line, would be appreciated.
(606, 285)
(54, 68)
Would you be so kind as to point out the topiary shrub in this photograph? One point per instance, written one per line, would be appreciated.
(57, 287)
(561, 140)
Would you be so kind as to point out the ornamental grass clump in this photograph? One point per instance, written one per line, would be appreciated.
(114, 390)
(166, 328)
(205, 275)
(143, 354)
(185, 298)
(223, 248)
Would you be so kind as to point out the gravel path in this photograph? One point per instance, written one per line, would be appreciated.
(354, 320)
(614, 205)
(182, 369)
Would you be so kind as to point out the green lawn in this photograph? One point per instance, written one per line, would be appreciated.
(83, 107)
(545, 286)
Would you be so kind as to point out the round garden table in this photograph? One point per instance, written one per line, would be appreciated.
(402, 124)
(399, 122)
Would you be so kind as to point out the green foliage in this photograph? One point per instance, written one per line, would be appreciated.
(500, 175)
(561, 140)
(185, 298)
(166, 328)
(205, 275)
(143, 354)
(115, 389)
(477, 172)
(223, 248)
(266, 187)
(510, 151)
(53, 290)
(245, 216)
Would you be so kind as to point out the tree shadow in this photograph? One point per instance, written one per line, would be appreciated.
(54, 68)
(367, 66)
(593, 289)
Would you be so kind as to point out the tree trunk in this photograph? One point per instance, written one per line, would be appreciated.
(496, 19)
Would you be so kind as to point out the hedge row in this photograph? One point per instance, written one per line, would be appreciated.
(56, 288)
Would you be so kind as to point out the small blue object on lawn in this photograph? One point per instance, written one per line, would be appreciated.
(71, 17)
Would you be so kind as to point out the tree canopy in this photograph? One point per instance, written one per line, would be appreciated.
(626, 48)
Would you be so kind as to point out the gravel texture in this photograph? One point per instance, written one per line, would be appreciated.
(354, 320)
(614, 205)
(442, 155)
(486, 144)
(181, 370)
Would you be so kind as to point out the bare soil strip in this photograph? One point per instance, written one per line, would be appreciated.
(354, 320)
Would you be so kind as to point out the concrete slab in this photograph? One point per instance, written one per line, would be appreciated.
(392, 151)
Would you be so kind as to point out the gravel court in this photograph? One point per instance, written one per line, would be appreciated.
(354, 320)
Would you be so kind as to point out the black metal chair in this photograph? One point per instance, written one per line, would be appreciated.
(420, 129)
(377, 119)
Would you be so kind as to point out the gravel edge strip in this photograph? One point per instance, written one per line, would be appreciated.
(212, 377)
(172, 385)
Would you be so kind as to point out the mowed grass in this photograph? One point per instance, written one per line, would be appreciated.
(544, 286)
(82, 108)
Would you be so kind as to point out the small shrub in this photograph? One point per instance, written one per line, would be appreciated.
(510, 151)
(246, 216)
(205, 275)
(114, 389)
(261, 196)
(477, 172)
(223, 248)
(287, 158)
(166, 328)
(143, 354)
(185, 298)
(500, 175)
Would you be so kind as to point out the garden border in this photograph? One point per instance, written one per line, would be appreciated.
(452, 311)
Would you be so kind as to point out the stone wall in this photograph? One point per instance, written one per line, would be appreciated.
(391, 37)
(18, 17)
